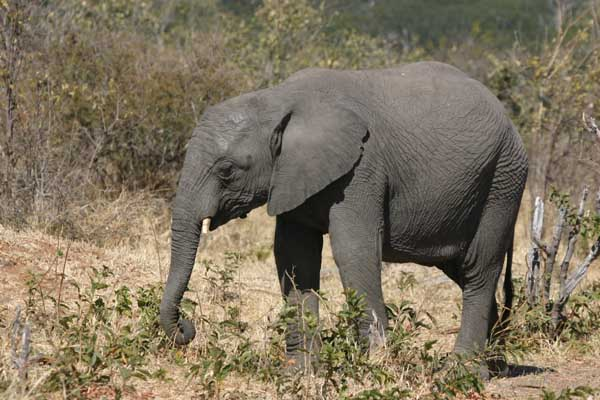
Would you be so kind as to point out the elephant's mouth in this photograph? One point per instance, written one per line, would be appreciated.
(219, 220)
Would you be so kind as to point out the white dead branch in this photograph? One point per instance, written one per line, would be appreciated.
(591, 125)
(534, 257)
(20, 335)
(567, 284)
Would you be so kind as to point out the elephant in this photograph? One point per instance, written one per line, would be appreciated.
(416, 163)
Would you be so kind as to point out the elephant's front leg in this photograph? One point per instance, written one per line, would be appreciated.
(356, 241)
(298, 258)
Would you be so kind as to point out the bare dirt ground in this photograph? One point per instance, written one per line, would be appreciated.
(560, 367)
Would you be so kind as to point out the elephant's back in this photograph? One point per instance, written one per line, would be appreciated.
(431, 106)
(435, 110)
(416, 70)
(435, 99)
(420, 114)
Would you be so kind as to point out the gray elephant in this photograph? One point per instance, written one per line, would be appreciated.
(412, 164)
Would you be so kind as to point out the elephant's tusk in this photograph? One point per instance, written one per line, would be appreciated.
(205, 225)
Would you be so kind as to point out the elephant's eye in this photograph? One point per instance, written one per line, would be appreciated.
(226, 170)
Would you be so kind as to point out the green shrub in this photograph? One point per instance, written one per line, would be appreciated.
(102, 339)
(109, 91)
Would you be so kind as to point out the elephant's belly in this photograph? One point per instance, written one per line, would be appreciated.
(430, 235)
(424, 255)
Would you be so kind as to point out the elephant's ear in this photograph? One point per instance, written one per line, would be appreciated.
(312, 146)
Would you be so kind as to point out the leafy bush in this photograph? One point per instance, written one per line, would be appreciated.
(531, 329)
(108, 99)
(108, 110)
(291, 35)
(580, 392)
(97, 337)
(102, 339)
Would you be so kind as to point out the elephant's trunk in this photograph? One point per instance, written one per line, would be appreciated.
(185, 236)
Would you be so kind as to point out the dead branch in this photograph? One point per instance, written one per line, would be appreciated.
(20, 359)
(540, 245)
(573, 235)
(578, 275)
(552, 251)
(591, 125)
(533, 271)
(574, 229)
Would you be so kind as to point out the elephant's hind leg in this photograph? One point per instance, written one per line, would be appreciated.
(479, 276)
(298, 257)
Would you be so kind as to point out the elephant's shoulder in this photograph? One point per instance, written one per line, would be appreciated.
(444, 83)
(416, 71)
(427, 69)
(436, 68)
(308, 73)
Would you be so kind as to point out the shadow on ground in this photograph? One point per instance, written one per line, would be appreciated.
(524, 370)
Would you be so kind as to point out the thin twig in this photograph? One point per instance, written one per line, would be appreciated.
(540, 245)
(591, 125)
(157, 249)
(62, 279)
(564, 31)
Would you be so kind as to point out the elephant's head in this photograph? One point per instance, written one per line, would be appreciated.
(274, 145)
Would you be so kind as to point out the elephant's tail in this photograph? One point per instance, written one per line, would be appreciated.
(508, 287)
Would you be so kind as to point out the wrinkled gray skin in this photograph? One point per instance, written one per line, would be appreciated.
(412, 164)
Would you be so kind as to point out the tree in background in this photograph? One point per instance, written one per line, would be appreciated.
(108, 91)
(435, 23)
(284, 36)
(546, 93)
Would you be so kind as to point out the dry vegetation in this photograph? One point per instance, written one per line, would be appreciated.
(98, 101)
(103, 340)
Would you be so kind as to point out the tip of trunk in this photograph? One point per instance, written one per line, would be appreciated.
(180, 331)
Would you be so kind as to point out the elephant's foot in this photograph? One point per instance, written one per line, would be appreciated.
(376, 333)
(492, 368)
(483, 367)
(302, 352)
(497, 366)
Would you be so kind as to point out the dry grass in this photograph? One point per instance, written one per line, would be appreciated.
(135, 249)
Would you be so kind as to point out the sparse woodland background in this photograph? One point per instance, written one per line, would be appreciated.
(97, 101)
(100, 97)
